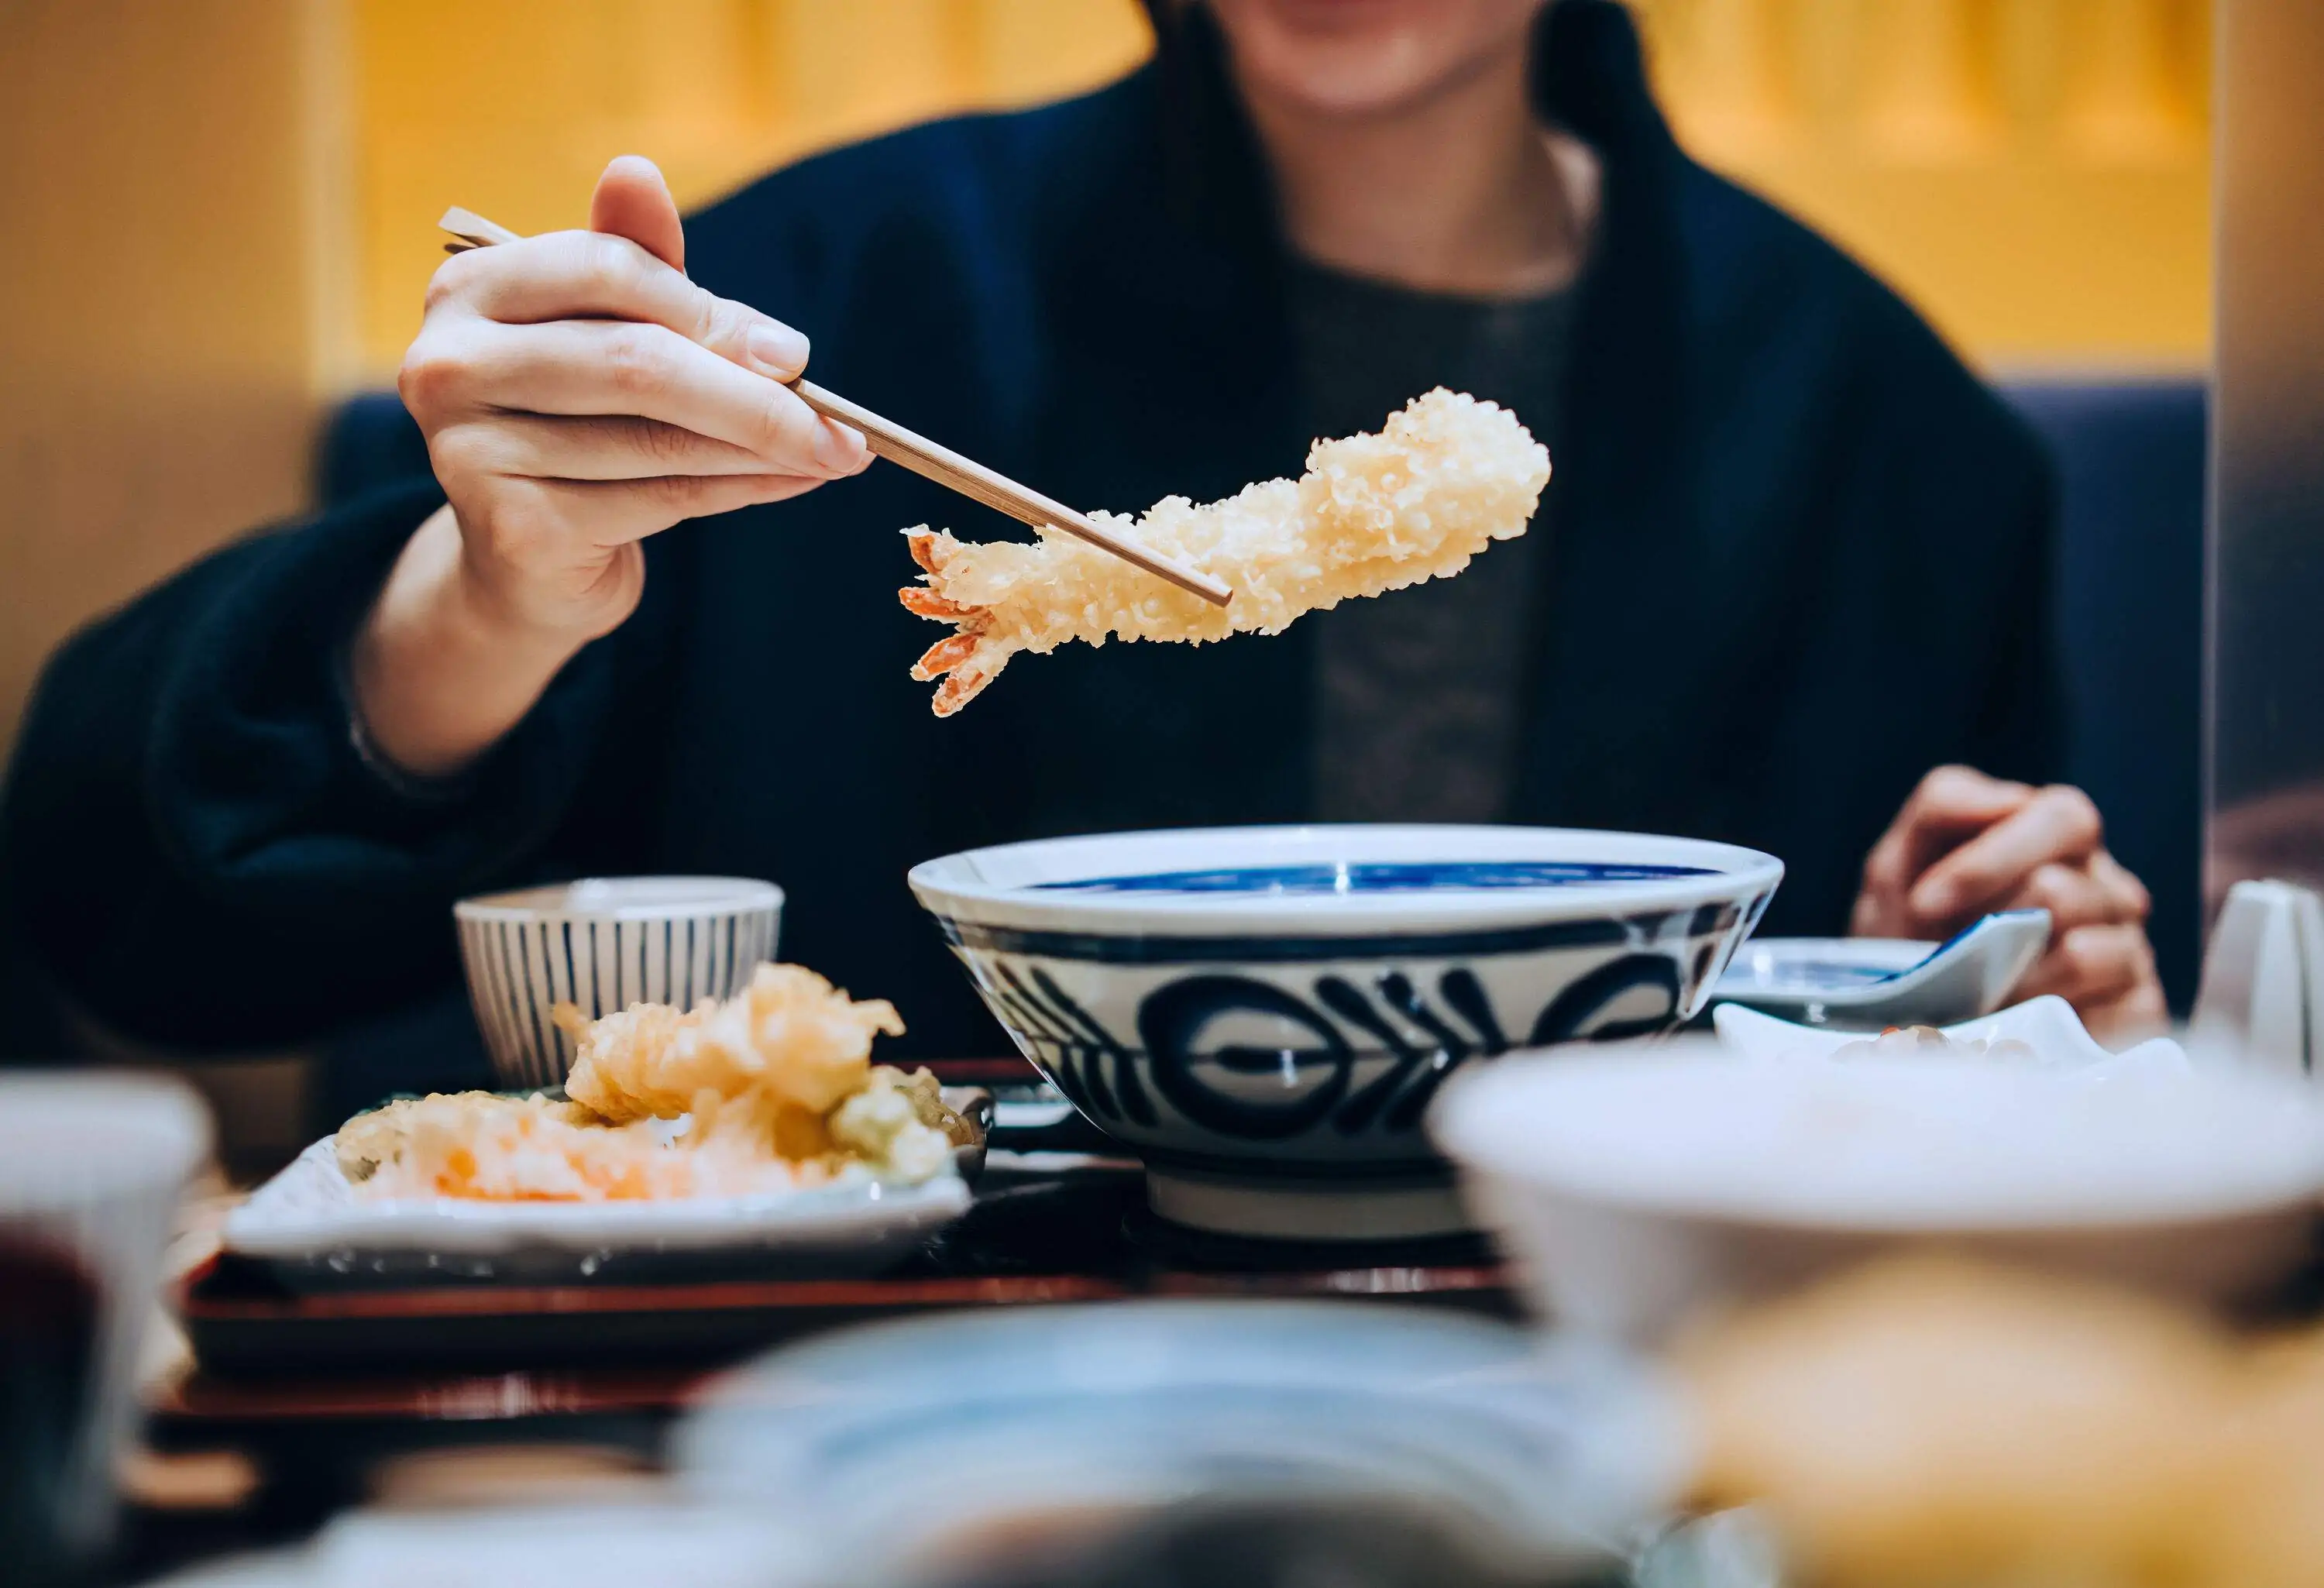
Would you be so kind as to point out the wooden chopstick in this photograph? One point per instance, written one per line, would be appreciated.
(925, 458)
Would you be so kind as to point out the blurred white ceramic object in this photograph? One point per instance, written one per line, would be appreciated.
(1633, 1191)
(603, 944)
(2262, 991)
(92, 1165)
(2047, 1024)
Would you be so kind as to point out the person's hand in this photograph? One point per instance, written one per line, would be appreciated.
(579, 393)
(1966, 845)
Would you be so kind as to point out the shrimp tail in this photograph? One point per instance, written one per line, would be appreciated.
(963, 687)
(923, 602)
(950, 651)
(928, 549)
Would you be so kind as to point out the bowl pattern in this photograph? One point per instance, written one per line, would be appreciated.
(602, 945)
(1327, 1051)
(1264, 1014)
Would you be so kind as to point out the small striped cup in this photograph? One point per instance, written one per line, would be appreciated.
(604, 944)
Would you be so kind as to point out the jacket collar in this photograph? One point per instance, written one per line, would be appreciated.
(1167, 299)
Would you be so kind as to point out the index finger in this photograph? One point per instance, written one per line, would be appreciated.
(2057, 823)
(592, 276)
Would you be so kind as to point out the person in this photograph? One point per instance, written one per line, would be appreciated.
(1792, 556)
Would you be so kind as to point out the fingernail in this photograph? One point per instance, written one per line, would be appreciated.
(838, 448)
(777, 350)
(1930, 902)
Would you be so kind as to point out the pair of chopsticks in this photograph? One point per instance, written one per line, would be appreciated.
(925, 458)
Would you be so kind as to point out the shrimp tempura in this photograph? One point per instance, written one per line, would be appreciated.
(1372, 514)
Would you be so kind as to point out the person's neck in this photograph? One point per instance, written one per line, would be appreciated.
(1461, 192)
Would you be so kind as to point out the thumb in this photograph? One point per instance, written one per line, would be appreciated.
(632, 201)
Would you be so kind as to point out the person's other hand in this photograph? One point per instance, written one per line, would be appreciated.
(1966, 845)
(579, 394)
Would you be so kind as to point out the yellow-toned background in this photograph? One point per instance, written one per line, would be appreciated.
(2033, 172)
(220, 212)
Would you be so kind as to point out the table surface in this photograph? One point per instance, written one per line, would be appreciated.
(267, 1358)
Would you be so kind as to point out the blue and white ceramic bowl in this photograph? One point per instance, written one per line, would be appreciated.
(603, 944)
(1264, 1014)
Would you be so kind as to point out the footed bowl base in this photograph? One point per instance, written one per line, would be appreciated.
(1280, 1209)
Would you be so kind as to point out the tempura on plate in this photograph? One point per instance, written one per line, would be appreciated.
(788, 1039)
(1444, 477)
(771, 1090)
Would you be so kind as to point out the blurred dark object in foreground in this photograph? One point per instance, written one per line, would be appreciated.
(50, 1313)
(1276, 1545)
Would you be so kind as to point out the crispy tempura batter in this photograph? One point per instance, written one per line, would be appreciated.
(789, 1038)
(496, 1149)
(478, 1145)
(1444, 476)
(771, 1090)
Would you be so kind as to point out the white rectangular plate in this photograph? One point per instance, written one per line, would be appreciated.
(314, 1228)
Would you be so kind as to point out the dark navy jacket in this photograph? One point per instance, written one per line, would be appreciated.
(1798, 557)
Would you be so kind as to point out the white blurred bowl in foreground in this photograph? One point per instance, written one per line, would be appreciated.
(1635, 1192)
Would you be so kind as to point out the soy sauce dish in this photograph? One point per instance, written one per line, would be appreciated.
(1264, 1014)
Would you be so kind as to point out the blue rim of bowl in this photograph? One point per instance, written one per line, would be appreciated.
(968, 906)
(1595, 932)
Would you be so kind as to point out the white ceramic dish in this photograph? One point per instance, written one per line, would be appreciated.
(2262, 998)
(1263, 1014)
(1634, 1192)
(892, 1443)
(2048, 1024)
(603, 944)
(1856, 984)
(309, 1225)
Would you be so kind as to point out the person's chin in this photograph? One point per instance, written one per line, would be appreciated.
(1343, 58)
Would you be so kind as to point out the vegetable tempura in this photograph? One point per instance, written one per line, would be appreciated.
(1372, 514)
(789, 1034)
(771, 1090)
